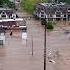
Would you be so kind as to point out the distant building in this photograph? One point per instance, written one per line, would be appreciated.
(52, 11)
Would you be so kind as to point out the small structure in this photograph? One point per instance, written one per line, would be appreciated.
(2, 36)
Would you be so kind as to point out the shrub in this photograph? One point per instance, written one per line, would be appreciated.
(50, 26)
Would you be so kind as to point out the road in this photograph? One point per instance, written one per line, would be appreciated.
(16, 54)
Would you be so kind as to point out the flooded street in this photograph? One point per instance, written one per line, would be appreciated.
(16, 54)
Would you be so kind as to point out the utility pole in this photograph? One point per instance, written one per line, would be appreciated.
(43, 21)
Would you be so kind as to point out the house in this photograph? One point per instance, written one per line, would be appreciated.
(5, 13)
(52, 11)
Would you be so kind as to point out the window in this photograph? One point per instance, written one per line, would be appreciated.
(3, 14)
(58, 14)
(64, 15)
(42, 12)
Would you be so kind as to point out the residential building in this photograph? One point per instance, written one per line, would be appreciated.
(5, 13)
(52, 11)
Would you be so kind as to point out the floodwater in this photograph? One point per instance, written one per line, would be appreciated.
(16, 54)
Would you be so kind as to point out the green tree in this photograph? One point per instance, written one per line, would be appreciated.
(7, 3)
(1, 2)
(29, 5)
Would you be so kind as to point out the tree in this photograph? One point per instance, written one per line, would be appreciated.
(29, 5)
(7, 3)
(1, 2)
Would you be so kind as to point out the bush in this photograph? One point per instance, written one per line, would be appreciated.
(50, 26)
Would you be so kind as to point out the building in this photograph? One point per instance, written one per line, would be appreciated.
(7, 17)
(52, 11)
(5, 13)
(10, 20)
